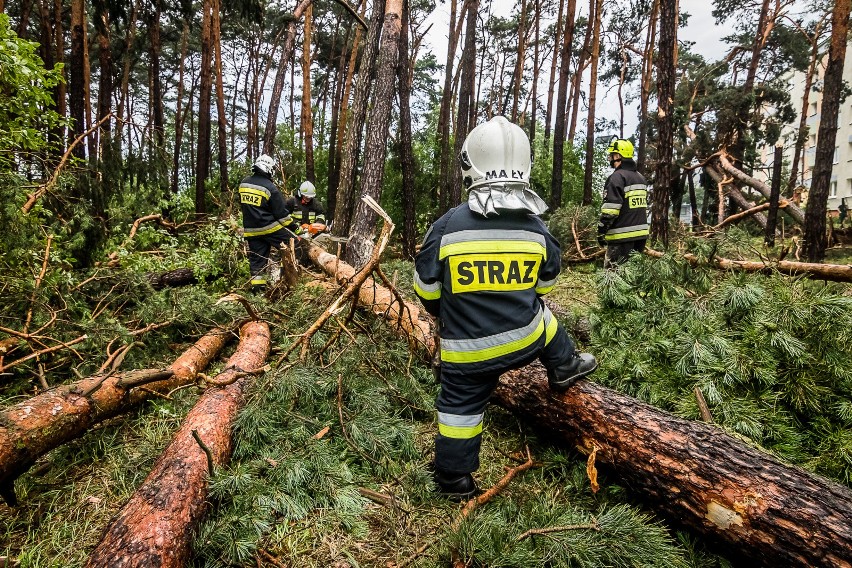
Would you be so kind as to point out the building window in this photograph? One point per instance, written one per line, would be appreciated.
(813, 109)
(832, 189)
(812, 140)
(836, 158)
(848, 187)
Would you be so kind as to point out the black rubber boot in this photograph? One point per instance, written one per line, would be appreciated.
(455, 486)
(562, 377)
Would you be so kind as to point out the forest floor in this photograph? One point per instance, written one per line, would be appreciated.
(331, 464)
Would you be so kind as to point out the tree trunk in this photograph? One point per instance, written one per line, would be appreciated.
(77, 88)
(557, 41)
(693, 202)
(792, 210)
(802, 132)
(536, 70)
(593, 87)
(406, 154)
(156, 526)
(307, 111)
(352, 145)
(35, 426)
(443, 131)
(102, 26)
(772, 216)
(280, 77)
(576, 82)
(665, 99)
(645, 87)
(202, 165)
(221, 115)
(172, 278)
(466, 111)
(360, 246)
(408, 320)
(179, 109)
(58, 92)
(334, 180)
(519, 64)
(556, 178)
(814, 237)
(694, 473)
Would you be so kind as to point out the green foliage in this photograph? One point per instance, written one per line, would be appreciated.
(769, 354)
(25, 101)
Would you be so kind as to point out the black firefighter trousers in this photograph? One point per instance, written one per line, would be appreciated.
(258, 254)
(463, 398)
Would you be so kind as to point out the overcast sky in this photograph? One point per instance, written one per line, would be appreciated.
(701, 29)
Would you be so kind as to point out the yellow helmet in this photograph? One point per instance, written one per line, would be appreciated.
(621, 146)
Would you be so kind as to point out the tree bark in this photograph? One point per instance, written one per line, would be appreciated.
(445, 109)
(32, 428)
(307, 111)
(645, 87)
(793, 210)
(557, 41)
(694, 473)
(155, 527)
(172, 278)
(406, 153)
(184, 41)
(221, 115)
(202, 164)
(76, 89)
(102, 26)
(280, 77)
(352, 144)
(593, 88)
(556, 178)
(466, 111)
(536, 70)
(519, 64)
(815, 240)
(665, 100)
(360, 246)
(406, 318)
(576, 82)
(693, 202)
(774, 196)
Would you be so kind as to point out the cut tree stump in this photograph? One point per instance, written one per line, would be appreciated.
(155, 527)
(35, 426)
(694, 473)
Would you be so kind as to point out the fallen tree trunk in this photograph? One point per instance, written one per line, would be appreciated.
(693, 472)
(735, 194)
(815, 270)
(748, 212)
(32, 428)
(407, 319)
(155, 527)
(792, 209)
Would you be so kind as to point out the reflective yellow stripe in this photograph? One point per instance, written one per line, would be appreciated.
(635, 192)
(610, 211)
(460, 432)
(545, 289)
(550, 331)
(255, 281)
(495, 351)
(427, 295)
(261, 232)
(254, 192)
(631, 234)
(467, 247)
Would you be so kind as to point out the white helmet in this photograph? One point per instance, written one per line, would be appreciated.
(308, 190)
(265, 163)
(497, 151)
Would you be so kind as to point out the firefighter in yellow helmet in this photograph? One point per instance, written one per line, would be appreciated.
(482, 270)
(623, 225)
(307, 211)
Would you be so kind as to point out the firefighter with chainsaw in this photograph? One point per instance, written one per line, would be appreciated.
(265, 218)
(623, 225)
(482, 270)
(307, 211)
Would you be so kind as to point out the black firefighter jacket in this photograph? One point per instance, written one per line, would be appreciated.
(483, 277)
(263, 207)
(624, 216)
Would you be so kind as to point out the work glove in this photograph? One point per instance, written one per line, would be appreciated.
(602, 228)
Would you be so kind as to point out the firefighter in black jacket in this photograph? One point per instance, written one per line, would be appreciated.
(623, 226)
(265, 218)
(307, 212)
(482, 270)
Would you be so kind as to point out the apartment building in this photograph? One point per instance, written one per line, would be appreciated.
(840, 187)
